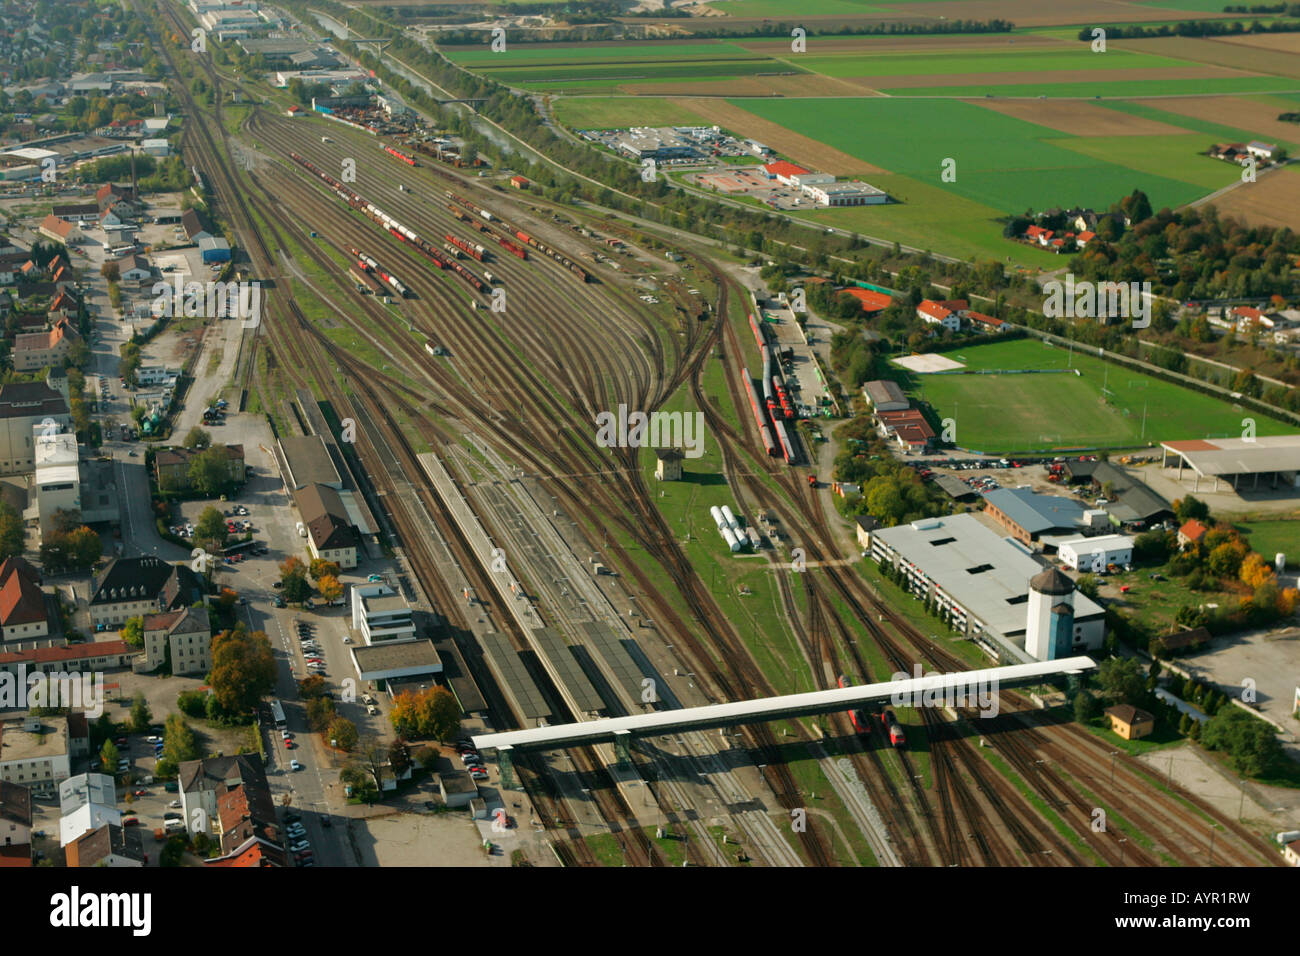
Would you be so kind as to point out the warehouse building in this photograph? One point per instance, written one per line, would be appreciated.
(1129, 502)
(214, 249)
(982, 582)
(885, 396)
(1027, 516)
(655, 143)
(847, 193)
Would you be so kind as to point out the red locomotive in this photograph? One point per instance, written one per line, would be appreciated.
(892, 727)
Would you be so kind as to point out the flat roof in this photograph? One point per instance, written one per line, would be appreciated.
(1107, 541)
(552, 646)
(772, 708)
(955, 487)
(516, 683)
(1239, 456)
(457, 676)
(309, 461)
(950, 550)
(397, 655)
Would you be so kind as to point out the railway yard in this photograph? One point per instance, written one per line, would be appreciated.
(482, 466)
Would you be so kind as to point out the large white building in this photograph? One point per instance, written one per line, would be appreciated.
(34, 752)
(848, 193)
(86, 802)
(1095, 554)
(380, 615)
(983, 582)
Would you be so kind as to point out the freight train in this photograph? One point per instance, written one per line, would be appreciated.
(392, 226)
(450, 157)
(764, 432)
(892, 727)
(519, 234)
(370, 268)
(472, 250)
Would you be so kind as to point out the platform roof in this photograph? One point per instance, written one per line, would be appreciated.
(513, 677)
(774, 708)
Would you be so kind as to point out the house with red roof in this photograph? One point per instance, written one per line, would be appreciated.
(985, 323)
(23, 613)
(942, 313)
(59, 230)
(1192, 532)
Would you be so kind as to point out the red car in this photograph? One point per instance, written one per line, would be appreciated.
(142, 793)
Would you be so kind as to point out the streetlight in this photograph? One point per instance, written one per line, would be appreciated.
(1122, 848)
(1113, 755)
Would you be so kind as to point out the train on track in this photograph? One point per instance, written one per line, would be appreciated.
(398, 154)
(519, 234)
(764, 432)
(393, 227)
(857, 716)
(473, 250)
(450, 157)
(370, 267)
(892, 727)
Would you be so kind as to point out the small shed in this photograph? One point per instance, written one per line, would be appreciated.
(1130, 722)
(457, 788)
(669, 464)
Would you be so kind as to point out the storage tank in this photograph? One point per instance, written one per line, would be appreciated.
(718, 517)
(1279, 562)
(730, 537)
(732, 523)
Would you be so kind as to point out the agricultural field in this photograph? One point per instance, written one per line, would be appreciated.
(619, 112)
(1067, 409)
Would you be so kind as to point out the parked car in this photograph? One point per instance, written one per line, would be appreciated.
(478, 773)
(294, 765)
(300, 846)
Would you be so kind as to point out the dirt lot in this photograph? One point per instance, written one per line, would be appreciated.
(1082, 119)
(1009, 77)
(1274, 200)
(805, 150)
(1285, 42)
(1238, 111)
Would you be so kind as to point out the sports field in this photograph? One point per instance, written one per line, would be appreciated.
(1058, 410)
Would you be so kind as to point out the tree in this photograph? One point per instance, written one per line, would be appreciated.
(1085, 706)
(426, 757)
(140, 713)
(1251, 743)
(312, 687)
(399, 758)
(1188, 508)
(1122, 680)
(343, 733)
(12, 537)
(444, 714)
(330, 588)
(243, 669)
(133, 631)
(210, 471)
(111, 271)
(108, 757)
(293, 577)
(1225, 560)
(210, 530)
(1089, 585)
(321, 568)
(197, 438)
(320, 712)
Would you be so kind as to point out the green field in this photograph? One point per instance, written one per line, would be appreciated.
(1102, 87)
(1273, 536)
(981, 61)
(1001, 162)
(1220, 132)
(551, 54)
(619, 112)
(1004, 413)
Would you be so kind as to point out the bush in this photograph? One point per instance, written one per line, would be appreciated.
(193, 703)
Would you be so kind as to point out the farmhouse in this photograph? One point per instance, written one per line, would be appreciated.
(985, 323)
(942, 313)
(1261, 150)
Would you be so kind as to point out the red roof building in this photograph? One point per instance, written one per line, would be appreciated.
(987, 322)
(908, 427)
(781, 170)
(1191, 533)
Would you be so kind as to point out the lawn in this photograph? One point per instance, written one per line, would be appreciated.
(1275, 536)
(1003, 413)
(1002, 162)
(621, 112)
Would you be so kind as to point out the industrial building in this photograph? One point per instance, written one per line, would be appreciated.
(1242, 462)
(1032, 518)
(983, 582)
(1096, 554)
(403, 662)
(848, 193)
(380, 615)
(885, 396)
(655, 143)
(1130, 501)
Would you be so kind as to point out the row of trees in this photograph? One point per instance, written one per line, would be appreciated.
(295, 586)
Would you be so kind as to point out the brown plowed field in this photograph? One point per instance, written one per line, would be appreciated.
(897, 44)
(1028, 79)
(1253, 60)
(1285, 42)
(1081, 118)
(1237, 111)
(802, 149)
(1272, 201)
(1037, 13)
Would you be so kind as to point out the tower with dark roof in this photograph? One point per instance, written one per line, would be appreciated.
(1050, 630)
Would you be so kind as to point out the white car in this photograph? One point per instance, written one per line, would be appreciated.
(299, 846)
(294, 765)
